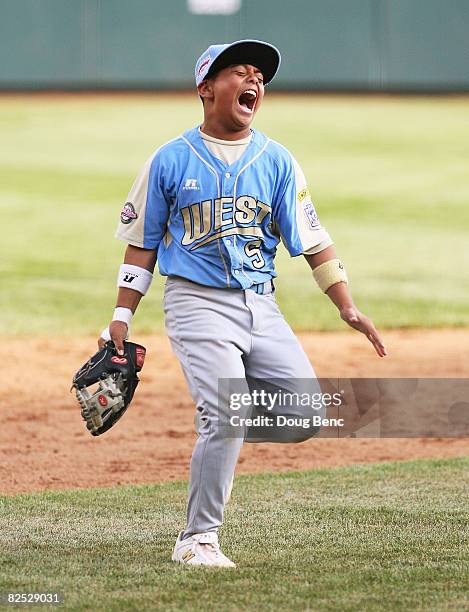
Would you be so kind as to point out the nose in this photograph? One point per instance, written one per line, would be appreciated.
(253, 75)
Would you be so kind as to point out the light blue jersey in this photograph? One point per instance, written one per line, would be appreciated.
(216, 224)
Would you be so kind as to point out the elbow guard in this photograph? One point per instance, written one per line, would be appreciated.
(329, 273)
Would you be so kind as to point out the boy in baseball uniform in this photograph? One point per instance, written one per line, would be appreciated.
(211, 206)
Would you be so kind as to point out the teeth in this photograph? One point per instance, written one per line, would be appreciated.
(250, 97)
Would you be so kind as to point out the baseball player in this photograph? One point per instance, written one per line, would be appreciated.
(212, 206)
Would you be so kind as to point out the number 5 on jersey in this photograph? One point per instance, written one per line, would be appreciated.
(253, 251)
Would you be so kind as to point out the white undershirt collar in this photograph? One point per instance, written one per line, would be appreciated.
(232, 143)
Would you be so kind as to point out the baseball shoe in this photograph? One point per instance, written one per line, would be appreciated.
(200, 549)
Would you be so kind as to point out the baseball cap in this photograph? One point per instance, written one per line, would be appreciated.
(260, 54)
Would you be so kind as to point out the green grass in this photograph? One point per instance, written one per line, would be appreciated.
(388, 176)
(376, 537)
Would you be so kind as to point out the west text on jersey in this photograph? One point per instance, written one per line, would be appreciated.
(219, 217)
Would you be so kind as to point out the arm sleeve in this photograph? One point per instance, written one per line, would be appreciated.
(299, 225)
(144, 216)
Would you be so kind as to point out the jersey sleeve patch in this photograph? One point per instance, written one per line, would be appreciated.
(311, 215)
(132, 215)
(128, 213)
(303, 194)
(300, 227)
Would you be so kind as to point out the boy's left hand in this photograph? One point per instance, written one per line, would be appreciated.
(353, 317)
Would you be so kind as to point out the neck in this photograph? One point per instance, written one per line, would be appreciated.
(217, 130)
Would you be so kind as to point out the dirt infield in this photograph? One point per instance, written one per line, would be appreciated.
(44, 444)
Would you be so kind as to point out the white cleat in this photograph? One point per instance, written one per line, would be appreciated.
(200, 549)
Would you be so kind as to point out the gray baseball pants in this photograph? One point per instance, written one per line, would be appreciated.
(229, 334)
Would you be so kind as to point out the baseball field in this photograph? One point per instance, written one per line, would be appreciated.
(351, 524)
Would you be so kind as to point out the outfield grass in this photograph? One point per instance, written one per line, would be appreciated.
(388, 175)
(376, 537)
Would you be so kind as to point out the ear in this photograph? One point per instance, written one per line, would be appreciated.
(205, 89)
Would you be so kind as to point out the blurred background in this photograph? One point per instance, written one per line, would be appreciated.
(370, 98)
(365, 45)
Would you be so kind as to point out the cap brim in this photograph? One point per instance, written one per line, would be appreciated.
(262, 55)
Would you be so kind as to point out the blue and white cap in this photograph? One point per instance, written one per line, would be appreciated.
(262, 55)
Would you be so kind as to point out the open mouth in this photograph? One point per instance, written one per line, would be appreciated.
(247, 100)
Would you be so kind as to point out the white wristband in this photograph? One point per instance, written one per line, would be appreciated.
(105, 335)
(134, 277)
(120, 314)
(123, 314)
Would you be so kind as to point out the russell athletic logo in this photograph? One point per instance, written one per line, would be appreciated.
(191, 184)
(128, 213)
(128, 278)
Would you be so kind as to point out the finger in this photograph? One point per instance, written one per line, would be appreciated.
(365, 325)
(119, 344)
(118, 331)
(101, 343)
(371, 329)
(373, 336)
(377, 343)
(377, 340)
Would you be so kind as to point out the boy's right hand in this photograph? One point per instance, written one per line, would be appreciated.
(119, 332)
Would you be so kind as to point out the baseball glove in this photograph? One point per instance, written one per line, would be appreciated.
(114, 378)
